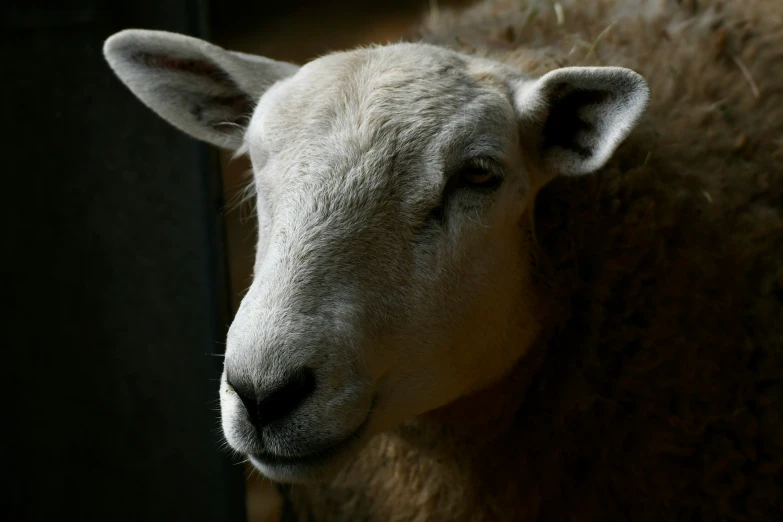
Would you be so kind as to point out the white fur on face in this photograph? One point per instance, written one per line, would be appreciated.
(397, 310)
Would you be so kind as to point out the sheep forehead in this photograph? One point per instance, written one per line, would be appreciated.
(369, 111)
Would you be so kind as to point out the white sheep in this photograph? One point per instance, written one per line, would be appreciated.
(421, 343)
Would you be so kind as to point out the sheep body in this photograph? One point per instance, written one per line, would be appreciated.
(657, 392)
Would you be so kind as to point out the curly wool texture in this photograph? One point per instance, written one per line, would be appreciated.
(658, 392)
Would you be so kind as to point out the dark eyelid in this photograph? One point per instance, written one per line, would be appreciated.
(487, 163)
(484, 164)
(481, 162)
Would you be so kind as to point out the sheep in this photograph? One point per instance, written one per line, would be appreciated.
(527, 265)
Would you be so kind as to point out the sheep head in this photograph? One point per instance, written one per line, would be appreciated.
(393, 184)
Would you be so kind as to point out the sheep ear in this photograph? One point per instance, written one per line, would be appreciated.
(578, 116)
(203, 90)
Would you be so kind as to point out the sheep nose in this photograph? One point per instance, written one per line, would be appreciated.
(274, 402)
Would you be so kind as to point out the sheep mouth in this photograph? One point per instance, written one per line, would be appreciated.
(293, 468)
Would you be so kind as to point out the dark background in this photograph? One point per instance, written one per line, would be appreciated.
(122, 263)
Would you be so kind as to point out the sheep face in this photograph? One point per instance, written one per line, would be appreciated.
(391, 260)
(392, 186)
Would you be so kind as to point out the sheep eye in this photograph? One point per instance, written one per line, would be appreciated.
(472, 176)
(478, 177)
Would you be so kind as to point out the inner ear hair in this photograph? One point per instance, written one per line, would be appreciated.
(200, 68)
(228, 110)
(565, 126)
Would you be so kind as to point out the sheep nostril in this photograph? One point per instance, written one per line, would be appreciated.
(264, 406)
